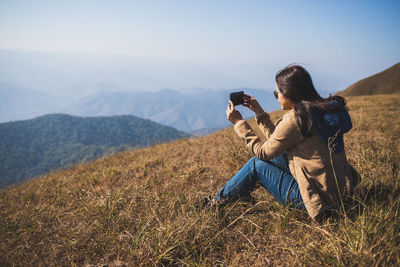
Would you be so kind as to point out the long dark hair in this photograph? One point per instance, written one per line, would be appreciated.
(295, 84)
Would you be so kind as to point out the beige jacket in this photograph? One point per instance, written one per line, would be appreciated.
(309, 159)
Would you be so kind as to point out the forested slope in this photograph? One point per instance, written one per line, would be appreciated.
(33, 147)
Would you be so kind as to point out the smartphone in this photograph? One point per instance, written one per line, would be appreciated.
(237, 98)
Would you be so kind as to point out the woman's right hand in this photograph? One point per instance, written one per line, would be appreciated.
(252, 104)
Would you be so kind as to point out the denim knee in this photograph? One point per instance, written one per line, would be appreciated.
(252, 161)
(252, 164)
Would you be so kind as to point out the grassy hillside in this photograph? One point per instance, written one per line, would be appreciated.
(142, 207)
(385, 82)
(34, 147)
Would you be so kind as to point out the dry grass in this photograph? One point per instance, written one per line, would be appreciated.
(142, 207)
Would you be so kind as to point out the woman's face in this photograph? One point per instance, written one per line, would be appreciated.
(284, 102)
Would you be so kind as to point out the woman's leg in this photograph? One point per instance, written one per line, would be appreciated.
(273, 175)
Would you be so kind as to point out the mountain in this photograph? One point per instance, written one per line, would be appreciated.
(93, 85)
(385, 82)
(18, 103)
(143, 207)
(194, 111)
(34, 147)
(191, 112)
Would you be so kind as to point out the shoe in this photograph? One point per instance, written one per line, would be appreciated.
(209, 202)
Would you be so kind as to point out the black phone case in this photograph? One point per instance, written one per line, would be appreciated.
(237, 98)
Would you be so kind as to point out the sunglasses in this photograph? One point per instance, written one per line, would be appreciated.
(276, 94)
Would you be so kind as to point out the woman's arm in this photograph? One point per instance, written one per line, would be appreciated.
(232, 114)
(262, 118)
(285, 135)
(265, 124)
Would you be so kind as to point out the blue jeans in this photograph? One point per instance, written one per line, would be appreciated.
(274, 175)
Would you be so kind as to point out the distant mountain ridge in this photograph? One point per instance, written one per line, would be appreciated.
(17, 102)
(191, 112)
(385, 82)
(94, 85)
(33, 147)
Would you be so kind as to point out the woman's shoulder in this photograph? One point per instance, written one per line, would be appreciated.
(288, 120)
(287, 117)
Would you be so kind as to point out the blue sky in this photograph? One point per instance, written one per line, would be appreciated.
(351, 39)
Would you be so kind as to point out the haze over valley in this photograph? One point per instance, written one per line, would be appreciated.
(34, 84)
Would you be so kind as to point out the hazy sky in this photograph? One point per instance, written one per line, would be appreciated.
(348, 38)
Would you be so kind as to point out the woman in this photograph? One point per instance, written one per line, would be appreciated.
(302, 163)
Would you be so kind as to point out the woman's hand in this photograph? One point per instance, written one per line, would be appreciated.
(232, 114)
(252, 104)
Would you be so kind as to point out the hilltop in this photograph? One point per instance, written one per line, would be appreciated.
(33, 147)
(385, 82)
(142, 207)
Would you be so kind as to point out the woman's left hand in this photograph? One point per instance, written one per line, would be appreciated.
(232, 114)
(252, 104)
